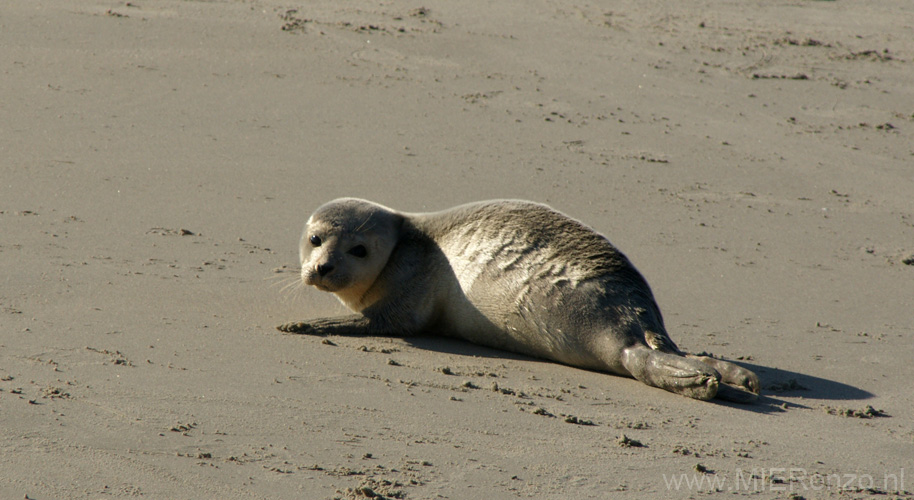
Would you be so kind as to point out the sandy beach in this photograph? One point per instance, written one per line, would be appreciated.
(158, 159)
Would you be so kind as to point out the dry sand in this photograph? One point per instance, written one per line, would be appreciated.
(159, 157)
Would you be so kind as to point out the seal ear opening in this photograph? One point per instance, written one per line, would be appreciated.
(395, 229)
(358, 251)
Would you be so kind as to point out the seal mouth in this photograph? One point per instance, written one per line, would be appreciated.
(324, 284)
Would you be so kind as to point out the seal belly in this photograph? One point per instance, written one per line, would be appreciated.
(508, 287)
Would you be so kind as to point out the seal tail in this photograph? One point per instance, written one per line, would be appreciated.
(661, 342)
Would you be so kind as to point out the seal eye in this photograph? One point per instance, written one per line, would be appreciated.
(315, 240)
(358, 251)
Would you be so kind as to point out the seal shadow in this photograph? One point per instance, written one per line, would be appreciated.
(776, 382)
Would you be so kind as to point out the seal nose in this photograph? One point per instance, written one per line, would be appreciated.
(324, 269)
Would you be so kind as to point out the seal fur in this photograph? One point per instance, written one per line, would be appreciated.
(508, 274)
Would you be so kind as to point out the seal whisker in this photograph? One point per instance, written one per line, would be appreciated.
(362, 225)
(292, 288)
(280, 276)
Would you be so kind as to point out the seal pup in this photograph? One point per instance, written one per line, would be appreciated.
(508, 274)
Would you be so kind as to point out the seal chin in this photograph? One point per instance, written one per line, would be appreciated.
(325, 285)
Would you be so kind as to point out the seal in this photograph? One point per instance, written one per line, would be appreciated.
(508, 274)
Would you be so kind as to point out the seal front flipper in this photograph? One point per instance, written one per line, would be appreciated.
(354, 324)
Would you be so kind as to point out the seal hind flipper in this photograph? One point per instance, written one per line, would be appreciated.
(734, 394)
(732, 374)
(671, 372)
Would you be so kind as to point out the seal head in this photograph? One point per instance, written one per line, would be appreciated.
(345, 246)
